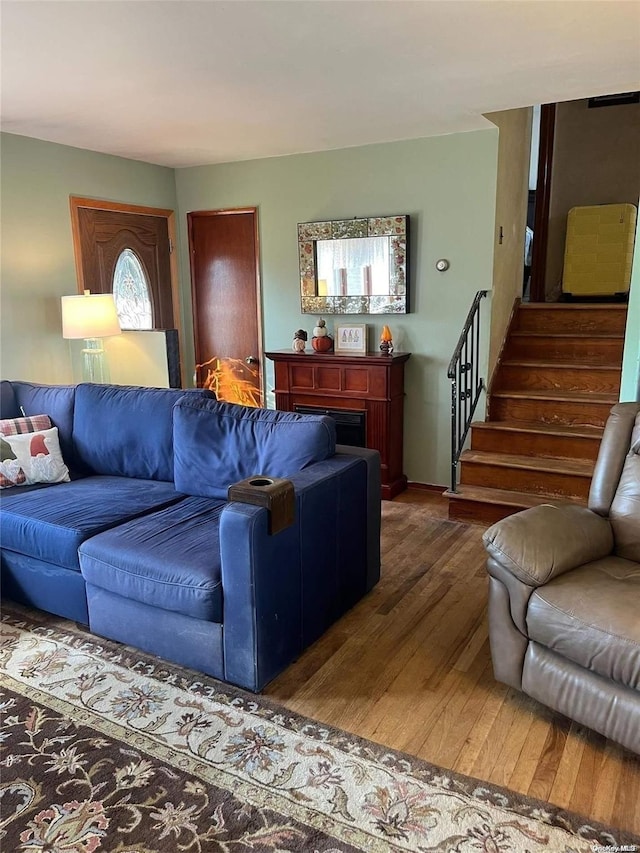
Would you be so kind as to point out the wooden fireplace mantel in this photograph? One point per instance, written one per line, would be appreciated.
(371, 383)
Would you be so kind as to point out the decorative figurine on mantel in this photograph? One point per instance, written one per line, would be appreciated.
(386, 341)
(321, 340)
(299, 340)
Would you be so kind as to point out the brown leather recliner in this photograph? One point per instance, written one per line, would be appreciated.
(564, 594)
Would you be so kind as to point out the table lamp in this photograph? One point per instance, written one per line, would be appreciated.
(92, 317)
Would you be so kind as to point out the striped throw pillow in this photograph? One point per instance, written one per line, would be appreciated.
(19, 426)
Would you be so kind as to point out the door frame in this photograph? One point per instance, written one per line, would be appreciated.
(537, 291)
(229, 211)
(78, 202)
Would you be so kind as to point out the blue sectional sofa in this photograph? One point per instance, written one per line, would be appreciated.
(143, 546)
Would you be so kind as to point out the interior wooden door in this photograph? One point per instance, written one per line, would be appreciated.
(225, 289)
(103, 235)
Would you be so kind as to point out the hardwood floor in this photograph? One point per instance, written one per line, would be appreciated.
(410, 668)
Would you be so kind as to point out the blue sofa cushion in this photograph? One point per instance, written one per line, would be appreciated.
(169, 559)
(217, 444)
(50, 523)
(8, 403)
(57, 401)
(126, 431)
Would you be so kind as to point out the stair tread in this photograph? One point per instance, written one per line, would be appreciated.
(484, 494)
(562, 365)
(576, 334)
(568, 396)
(579, 431)
(574, 306)
(556, 465)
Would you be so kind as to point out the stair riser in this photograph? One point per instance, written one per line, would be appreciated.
(567, 336)
(549, 411)
(601, 321)
(550, 348)
(479, 513)
(523, 480)
(558, 379)
(534, 444)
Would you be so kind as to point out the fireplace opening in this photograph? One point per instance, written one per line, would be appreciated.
(351, 427)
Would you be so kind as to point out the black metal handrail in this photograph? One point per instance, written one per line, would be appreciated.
(466, 383)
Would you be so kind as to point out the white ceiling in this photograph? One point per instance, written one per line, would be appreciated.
(184, 83)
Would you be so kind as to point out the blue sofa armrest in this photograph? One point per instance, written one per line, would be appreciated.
(282, 591)
(261, 583)
(374, 487)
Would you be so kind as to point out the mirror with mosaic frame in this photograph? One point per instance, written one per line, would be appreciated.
(354, 266)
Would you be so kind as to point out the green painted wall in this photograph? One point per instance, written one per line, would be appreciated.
(630, 387)
(38, 268)
(447, 184)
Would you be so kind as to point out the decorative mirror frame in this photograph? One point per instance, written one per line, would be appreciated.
(394, 227)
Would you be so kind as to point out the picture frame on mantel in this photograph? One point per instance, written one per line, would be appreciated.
(350, 338)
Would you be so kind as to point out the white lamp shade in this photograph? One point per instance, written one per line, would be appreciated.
(89, 316)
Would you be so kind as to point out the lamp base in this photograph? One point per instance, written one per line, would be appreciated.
(94, 361)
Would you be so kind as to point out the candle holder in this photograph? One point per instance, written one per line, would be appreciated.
(386, 341)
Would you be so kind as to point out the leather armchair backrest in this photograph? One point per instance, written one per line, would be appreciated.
(625, 508)
(615, 446)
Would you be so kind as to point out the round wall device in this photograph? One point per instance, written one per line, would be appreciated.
(442, 265)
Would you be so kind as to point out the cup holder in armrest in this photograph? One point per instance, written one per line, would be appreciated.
(273, 493)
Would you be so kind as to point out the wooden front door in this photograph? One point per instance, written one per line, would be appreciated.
(107, 234)
(223, 247)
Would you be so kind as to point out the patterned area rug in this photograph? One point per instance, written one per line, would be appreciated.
(105, 748)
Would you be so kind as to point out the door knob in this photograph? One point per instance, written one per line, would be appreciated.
(251, 359)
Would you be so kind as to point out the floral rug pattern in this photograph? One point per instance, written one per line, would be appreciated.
(107, 749)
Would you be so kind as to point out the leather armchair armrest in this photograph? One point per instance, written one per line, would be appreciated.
(545, 541)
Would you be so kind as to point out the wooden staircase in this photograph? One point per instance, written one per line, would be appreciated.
(556, 380)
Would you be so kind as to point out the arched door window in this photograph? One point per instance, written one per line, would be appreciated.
(131, 292)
